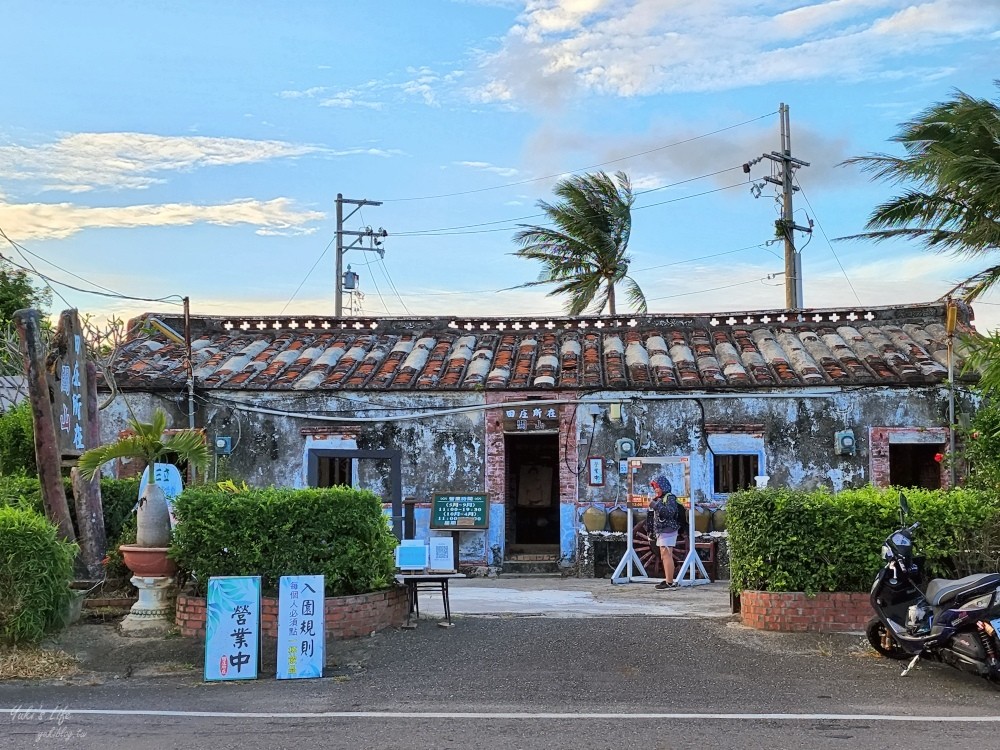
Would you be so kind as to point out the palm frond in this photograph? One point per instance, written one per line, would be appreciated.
(584, 249)
(132, 446)
(951, 174)
(189, 446)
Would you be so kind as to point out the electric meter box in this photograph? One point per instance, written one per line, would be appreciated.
(844, 443)
(624, 448)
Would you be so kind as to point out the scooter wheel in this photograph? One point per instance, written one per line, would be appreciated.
(882, 641)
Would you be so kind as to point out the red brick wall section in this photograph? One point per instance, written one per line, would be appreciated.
(793, 611)
(346, 616)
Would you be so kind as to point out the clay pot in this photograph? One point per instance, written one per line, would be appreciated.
(719, 520)
(148, 561)
(639, 515)
(702, 517)
(618, 519)
(594, 518)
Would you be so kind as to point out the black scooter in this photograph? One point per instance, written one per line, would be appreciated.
(956, 622)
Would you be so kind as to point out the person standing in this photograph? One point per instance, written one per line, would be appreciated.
(667, 515)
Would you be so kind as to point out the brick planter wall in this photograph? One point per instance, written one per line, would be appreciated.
(345, 616)
(795, 612)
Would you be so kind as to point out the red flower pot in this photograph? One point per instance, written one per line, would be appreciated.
(148, 561)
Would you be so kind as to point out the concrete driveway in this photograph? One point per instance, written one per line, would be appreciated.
(576, 597)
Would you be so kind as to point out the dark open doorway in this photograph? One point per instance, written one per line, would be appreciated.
(532, 490)
(913, 465)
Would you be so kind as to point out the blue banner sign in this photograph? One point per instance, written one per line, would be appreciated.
(301, 632)
(232, 628)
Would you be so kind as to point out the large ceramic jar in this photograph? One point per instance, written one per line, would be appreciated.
(618, 518)
(719, 520)
(594, 518)
(702, 516)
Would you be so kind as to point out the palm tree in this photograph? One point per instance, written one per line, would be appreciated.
(147, 442)
(951, 202)
(584, 253)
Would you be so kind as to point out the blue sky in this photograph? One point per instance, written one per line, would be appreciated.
(196, 149)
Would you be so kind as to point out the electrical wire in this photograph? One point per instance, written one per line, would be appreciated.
(829, 244)
(451, 230)
(42, 276)
(581, 169)
(385, 269)
(49, 279)
(713, 289)
(308, 274)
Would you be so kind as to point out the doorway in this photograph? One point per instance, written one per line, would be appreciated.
(532, 491)
(914, 465)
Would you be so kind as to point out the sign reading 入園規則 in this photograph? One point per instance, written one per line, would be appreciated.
(301, 633)
(232, 628)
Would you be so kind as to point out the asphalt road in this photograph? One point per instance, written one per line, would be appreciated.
(527, 682)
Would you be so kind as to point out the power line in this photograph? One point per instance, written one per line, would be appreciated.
(49, 279)
(829, 244)
(301, 283)
(714, 289)
(580, 169)
(449, 230)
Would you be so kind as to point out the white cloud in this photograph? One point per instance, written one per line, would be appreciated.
(487, 167)
(44, 221)
(638, 47)
(86, 161)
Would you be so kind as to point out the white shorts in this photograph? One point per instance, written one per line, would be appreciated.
(666, 539)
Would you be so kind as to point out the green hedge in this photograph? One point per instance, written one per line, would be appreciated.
(337, 532)
(17, 442)
(789, 540)
(36, 569)
(118, 498)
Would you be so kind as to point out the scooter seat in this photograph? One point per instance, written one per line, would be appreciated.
(943, 590)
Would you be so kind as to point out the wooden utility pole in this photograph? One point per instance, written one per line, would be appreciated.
(785, 226)
(338, 306)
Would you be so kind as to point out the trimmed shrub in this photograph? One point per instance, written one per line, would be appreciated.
(790, 540)
(36, 569)
(17, 442)
(118, 499)
(338, 532)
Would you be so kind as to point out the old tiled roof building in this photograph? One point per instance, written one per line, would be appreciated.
(531, 412)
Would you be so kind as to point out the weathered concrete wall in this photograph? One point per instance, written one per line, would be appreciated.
(792, 435)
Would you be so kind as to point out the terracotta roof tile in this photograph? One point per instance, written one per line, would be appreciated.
(887, 346)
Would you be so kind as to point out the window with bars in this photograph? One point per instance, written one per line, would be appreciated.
(334, 471)
(735, 471)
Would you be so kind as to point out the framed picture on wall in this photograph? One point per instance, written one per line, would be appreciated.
(596, 466)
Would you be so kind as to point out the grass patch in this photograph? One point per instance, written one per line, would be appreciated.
(33, 663)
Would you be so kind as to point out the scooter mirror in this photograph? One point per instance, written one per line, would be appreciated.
(904, 508)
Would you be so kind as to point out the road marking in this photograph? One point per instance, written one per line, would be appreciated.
(575, 716)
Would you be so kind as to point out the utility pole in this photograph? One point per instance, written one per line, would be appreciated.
(785, 227)
(358, 236)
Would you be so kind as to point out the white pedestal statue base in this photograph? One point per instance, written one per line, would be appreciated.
(151, 614)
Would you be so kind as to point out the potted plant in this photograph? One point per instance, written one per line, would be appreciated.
(152, 517)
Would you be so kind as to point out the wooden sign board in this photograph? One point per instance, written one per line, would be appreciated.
(460, 512)
(67, 372)
(531, 419)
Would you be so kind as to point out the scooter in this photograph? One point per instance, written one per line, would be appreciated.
(956, 622)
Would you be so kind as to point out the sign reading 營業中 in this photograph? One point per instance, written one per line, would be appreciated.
(460, 512)
(232, 628)
(301, 635)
